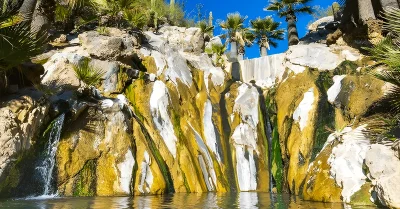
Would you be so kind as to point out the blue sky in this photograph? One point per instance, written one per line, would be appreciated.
(253, 9)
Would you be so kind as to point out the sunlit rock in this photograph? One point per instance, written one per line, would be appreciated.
(317, 56)
(334, 90)
(265, 71)
(159, 102)
(301, 113)
(384, 172)
(347, 160)
(125, 169)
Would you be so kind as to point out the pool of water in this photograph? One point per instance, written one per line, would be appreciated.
(246, 200)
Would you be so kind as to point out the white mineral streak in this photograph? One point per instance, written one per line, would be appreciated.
(301, 113)
(178, 69)
(208, 169)
(347, 160)
(146, 176)
(334, 90)
(209, 130)
(159, 101)
(125, 169)
(264, 70)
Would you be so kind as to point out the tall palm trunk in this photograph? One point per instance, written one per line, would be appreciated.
(366, 11)
(293, 35)
(263, 51)
(234, 51)
(27, 9)
(263, 46)
(389, 3)
(40, 21)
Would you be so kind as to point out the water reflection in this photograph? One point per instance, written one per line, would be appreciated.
(246, 200)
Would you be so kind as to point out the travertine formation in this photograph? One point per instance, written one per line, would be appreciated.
(165, 119)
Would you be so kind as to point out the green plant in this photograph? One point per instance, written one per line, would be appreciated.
(387, 68)
(136, 17)
(205, 28)
(266, 33)
(290, 9)
(103, 30)
(237, 33)
(234, 24)
(218, 50)
(17, 42)
(87, 74)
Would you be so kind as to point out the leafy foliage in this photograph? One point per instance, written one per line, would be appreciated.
(286, 8)
(387, 56)
(205, 27)
(17, 42)
(103, 30)
(218, 50)
(88, 74)
(266, 31)
(234, 24)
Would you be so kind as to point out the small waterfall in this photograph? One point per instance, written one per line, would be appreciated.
(46, 166)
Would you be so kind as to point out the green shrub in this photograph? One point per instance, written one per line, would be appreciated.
(87, 74)
(103, 30)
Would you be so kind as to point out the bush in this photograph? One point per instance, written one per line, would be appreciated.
(87, 74)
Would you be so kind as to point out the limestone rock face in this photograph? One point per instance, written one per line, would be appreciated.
(316, 56)
(384, 172)
(115, 45)
(21, 118)
(96, 154)
(165, 119)
(186, 39)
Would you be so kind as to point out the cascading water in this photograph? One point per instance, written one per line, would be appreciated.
(46, 166)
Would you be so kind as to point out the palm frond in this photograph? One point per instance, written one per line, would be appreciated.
(392, 17)
(233, 24)
(88, 74)
(18, 44)
(204, 27)
(266, 30)
(306, 9)
(386, 52)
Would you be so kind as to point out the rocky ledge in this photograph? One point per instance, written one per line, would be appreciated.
(166, 119)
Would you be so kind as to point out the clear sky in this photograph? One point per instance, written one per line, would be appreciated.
(252, 9)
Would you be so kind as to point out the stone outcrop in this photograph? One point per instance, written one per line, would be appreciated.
(384, 172)
(165, 119)
(21, 119)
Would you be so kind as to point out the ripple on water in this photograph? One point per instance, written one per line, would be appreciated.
(246, 200)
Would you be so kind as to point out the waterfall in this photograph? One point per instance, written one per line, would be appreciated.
(46, 166)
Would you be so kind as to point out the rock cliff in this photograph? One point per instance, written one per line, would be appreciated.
(166, 119)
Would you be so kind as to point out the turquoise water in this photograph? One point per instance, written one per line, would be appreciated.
(244, 200)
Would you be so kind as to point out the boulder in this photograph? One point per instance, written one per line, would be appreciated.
(186, 39)
(59, 69)
(320, 23)
(21, 119)
(213, 40)
(314, 55)
(97, 151)
(115, 46)
(384, 172)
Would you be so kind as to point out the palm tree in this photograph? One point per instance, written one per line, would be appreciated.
(17, 42)
(289, 9)
(234, 25)
(245, 39)
(266, 32)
